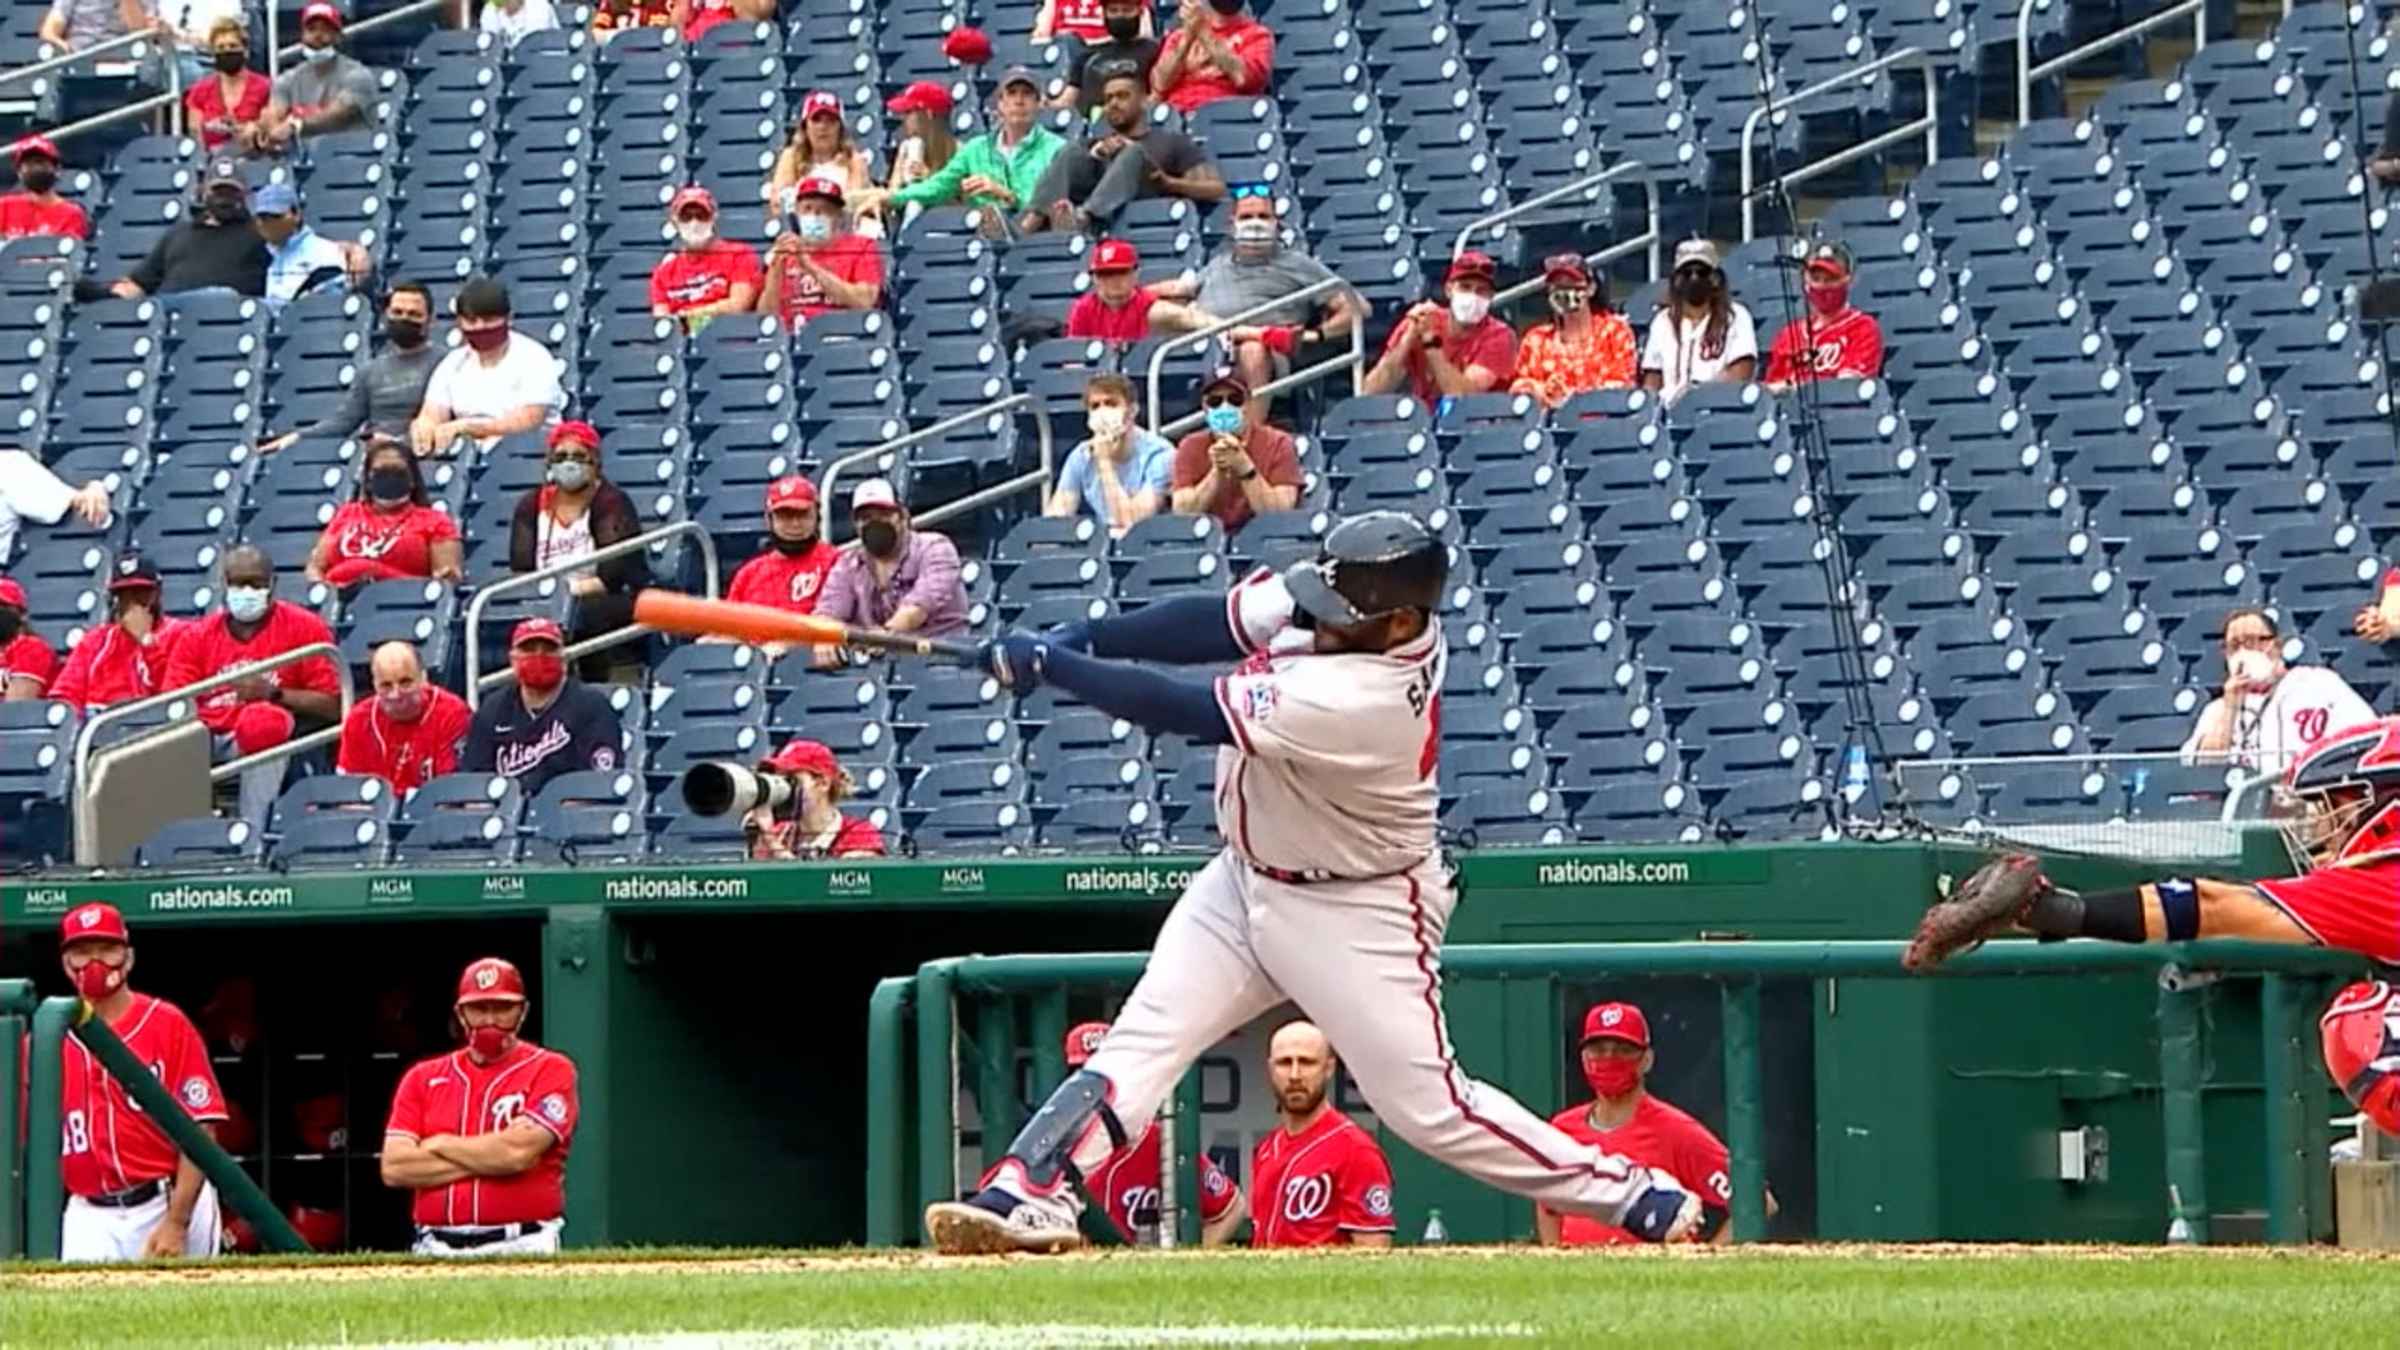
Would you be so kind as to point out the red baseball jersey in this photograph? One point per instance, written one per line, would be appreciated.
(21, 216)
(210, 647)
(1127, 1187)
(452, 1094)
(1812, 348)
(1308, 1189)
(109, 1143)
(28, 657)
(1658, 1135)
(1080, 18)
(2355, 907)
(688, 279)
(404, 754)
(852, 257)
(1092, 317)
(402, 541)
(784, 581)
(111, 666)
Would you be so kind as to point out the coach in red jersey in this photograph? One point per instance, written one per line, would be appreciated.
(126, 657)
(409, 733)
(36, 208)
(27, 664)
(1317, 1179)
(130, 1194)
(263, 711)
(1127, 1185)
(1832, 340)
(792, 570)
(1623, 1118)
(481, 1133)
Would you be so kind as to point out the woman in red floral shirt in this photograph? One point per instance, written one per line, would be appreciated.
(1588, 346)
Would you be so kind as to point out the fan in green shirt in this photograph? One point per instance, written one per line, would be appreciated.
(999, 168)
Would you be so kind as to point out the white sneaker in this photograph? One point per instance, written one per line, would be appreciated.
(997, 1222)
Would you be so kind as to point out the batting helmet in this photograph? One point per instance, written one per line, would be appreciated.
(491, 980)
(2362, 1049)
(1371, 565)
(2345, 789)
(322, 1229)
(1083, 1040)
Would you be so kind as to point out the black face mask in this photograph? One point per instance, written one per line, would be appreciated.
(793, 548)
(1695, 288)
(11, 624)
(225, 209)
(880, 537)
(231, 63)
(1123, 27)
(406, 334)
(38, 177)
(389, 485)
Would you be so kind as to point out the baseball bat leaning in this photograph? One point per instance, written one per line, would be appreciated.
(698, 616)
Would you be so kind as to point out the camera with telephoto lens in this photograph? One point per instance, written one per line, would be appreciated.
(716, 788)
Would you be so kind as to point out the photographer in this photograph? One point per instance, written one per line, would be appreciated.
(810, 823)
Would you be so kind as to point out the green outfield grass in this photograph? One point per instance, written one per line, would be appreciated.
(1851, 1298)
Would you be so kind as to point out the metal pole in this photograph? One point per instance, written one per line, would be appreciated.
(1745, 1111)
(1158, 354)
(45, 1128)
(175, 86)
(1355, 361)
(2027, 72)
(1758, 114)
(1046, 1025)
(477, 681)
(2179, 1074)
(887, 1110)
(937, 1084)
(132, 41)
(2283, 1070)
(833, 471)
(1180, 1166)
(1039, 478)
(12, 1158)
(1537, 201)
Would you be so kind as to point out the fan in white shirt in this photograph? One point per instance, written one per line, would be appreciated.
(1700, 333)
(511, 20)
(496, 383)
(29, 491)
(2269, 711)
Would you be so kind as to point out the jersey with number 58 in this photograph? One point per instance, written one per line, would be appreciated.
(1332, 767)
(109, 1144)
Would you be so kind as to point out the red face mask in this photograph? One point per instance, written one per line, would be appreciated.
(404, 705)
(488, 1042)
(1613, 1077)
(1828, 297)
(98, 979)
(540, 672)
(485, 339)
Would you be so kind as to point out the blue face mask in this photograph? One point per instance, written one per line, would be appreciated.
(816, 229)
(320, 55)
(247, 604)
(1226, 421)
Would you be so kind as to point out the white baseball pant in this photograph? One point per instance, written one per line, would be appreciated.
(89, 1232)
(539, 1239)
(1363, 961)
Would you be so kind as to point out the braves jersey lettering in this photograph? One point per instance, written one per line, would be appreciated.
(452, 1094)
(1310, 1188)
(1127, 1186)
(111, 1144)
(1657, 1135)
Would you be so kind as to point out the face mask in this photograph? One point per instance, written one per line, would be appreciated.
(1107, 420)
(1694, 288)
(793, 548)
(318, 56)
(404, 705)
(880, 537)
(1468, 308)
(389, 485)
(695, 233)
(1123, 27)
(247, 604)
(1226, 420)
(2253, 666)
(1613, 1077)
(225, 208)
(38, 177)
(11, 624)
(488, 1042)
(1254, 234)
(231, 63)
(98, 979)
(407, 334)
(485, 339)
(815, 229)
(571, 475)
(540, 672)
(1829, 299)
(1567, 302)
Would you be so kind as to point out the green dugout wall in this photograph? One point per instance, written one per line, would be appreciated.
(719, 1017)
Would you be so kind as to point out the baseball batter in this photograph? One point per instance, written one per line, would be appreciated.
(131, 1193)
(1127, 1184)
(1332, 892)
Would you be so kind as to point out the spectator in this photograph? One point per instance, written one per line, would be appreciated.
(926, 141)
(2384, 163)
(1625, 1120)
(28, 490)
(812, 825)
(1236, 466)
(35, 207)
(1124, 46)
(1700, 333)
(2375, 620)
(1086, 185)
(791, 573)
(1123, 473)
(1119, 308)
(898, 580)
(388, 529)
(2269, 712)
(189, 26)
(27, 664)
(1832, 340)
(1317, 1180)
(819, 147)
(224, 105)
(1257, 268)
(706, 274)
(1126, 1187)
(547, 722)
(407, 734)
(263, 711)
(126, 657)
(999, 168)
(74, 25)
(211, 250)
(299, 259)
(696, 17)
(327, 92)
(572, 515)
(1215, 51)
(1442, 353)
(1088, 20)
(385, 394)
(611, 17)
(1585, 345)
(497, 383)
(512, 21)
(818, 265)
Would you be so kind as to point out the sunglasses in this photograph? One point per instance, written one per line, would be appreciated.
(1238, 191)
(1220, 401)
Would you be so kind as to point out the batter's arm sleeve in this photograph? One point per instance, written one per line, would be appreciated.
(1158, 702)
(1188, 630)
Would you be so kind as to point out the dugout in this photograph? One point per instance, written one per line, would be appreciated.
(720, 1014)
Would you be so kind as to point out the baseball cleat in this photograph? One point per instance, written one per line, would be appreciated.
(996, 1223)
(1992, 901)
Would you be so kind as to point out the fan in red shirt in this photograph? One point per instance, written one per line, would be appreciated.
(125, 658)
(409, 733)
(1191, 70)
(706, 275)
(1832, 340)
(811, 824)
(1625, 1119)
(27, 664)
(1317, 1179)
(389, 529)
(481, 1133)
(263, 711)
(1126, 1186)
(130, 1192)
(1442, 351)
(36, 208)
(1117, 308)
(792, 570)
(818, 264)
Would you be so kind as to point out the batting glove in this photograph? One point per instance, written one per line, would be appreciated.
(1016, 660)
(1075, 637)
(1664, 1213)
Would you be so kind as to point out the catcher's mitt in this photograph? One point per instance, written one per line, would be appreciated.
(1990, 902)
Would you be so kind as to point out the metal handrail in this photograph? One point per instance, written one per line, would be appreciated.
(477, 681)
(833, 471)
(1158, 357)
(2027, 72)
(1647, 239)
(1539, 200)
(1354, 361)
(1036, 478)
(1929, 124)
(121, 711)
(91, 53)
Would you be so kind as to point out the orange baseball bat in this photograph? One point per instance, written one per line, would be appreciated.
(698, 616)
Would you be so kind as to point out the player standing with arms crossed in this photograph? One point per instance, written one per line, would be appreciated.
(1127, 1184)
(1332, 892)
(131, 1194)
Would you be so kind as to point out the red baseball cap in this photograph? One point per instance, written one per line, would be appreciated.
(1083, 1040)
(818, 187)
(691, 196)
(806, 757)
(791, 492)
(1473, 264)
(1227, 378)
(571, 430)
(819, 103)
(11, 593)
(262, 726)
(34, 145)
(491, 980)
(536, 630)
(923, 96)
(95, 920)
(1566, 267)
(1616, 1022)
(1115, 255)
(321, 10)
(967, 46)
